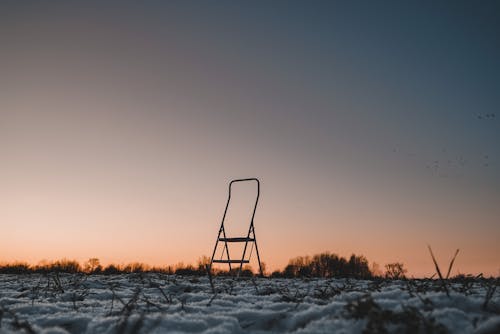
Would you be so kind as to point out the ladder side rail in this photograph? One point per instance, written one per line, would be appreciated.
(242, 259)
(227, 249)
(257, 251)
(215, 249)
(222, 230)
(251, 222)
(252, 228)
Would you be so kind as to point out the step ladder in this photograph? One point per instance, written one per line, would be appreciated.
(250, 238)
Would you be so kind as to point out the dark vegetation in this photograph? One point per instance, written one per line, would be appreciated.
(93, 266)
(324, 265)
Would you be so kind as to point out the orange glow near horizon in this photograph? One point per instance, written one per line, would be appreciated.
(117, 238)
(131, 220)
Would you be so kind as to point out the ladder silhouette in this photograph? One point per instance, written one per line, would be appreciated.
(250, 238)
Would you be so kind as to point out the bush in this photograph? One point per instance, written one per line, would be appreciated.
(15, 269)
(111, 270)
(66, 266)
(187, 270)
(395, 271)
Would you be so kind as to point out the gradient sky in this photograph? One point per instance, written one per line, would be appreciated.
(373, 126)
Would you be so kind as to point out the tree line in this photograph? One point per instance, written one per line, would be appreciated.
(324, 265)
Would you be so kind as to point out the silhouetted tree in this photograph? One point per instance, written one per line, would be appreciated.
(203, 262)
(395, 271)
(93, 266)
(358, 267)
(327, 265)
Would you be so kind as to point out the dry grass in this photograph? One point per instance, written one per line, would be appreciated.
(438, 270)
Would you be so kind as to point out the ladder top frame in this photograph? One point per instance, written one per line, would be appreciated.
(229, 197)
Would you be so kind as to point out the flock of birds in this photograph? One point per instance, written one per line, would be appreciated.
(486, 116)
(442, 167)
(449, 164)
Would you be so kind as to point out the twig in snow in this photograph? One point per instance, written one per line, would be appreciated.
(209, 272)
(445, 286)
(451, 264)
(255, 285)
(489, 295)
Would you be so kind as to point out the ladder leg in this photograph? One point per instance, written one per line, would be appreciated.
(245, 249)
(227, 249)
(215, 248)
(258, 256)
(242, 258)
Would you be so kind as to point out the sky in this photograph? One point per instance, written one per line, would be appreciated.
(374, 128)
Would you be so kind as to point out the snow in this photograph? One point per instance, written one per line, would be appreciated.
(157, 303)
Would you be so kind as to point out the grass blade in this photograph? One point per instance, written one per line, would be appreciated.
(445, 287)
(451, 264)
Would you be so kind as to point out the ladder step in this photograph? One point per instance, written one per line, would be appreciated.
(244, 239)
(231, 261)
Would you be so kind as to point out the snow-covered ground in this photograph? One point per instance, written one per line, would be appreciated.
(154, 303)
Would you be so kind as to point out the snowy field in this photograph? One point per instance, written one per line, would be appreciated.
(155, 303)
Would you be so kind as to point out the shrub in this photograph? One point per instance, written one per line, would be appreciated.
(111, 270)
(395, 271)
(15, 268)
